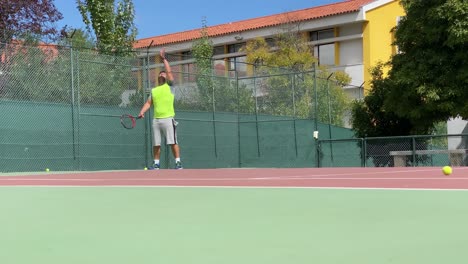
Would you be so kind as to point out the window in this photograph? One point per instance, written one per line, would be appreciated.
(220, 67)
(187, 69)
(235, 47)
(186, 55)
(237, 64)
(271, 42)
(218, 50)
(151, 59)
(322, 34)
(188, 72)
(152, 78)
(325, 54)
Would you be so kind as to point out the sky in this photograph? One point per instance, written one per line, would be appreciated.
(155, 18)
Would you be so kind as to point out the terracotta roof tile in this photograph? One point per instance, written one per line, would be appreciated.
(257, 23)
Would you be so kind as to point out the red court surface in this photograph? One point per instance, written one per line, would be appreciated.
(395, 178)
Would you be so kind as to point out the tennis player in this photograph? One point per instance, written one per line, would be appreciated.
(164, 123)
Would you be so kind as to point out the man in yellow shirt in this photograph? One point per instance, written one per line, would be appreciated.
(162, 99)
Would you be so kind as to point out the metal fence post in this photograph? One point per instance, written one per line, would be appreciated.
(238, 121)
(214, 116)
(78, 102)
(293, 83)
(315, 113)
(319, 147)
(364, 152)
(256, 113)
(73, 117)
(146, 87)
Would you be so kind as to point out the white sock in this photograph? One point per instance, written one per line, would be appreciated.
(177, 160)
(156, 161)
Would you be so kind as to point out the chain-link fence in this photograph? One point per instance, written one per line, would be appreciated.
(60, 109)
(432, 150)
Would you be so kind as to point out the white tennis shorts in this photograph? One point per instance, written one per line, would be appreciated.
(164, 127)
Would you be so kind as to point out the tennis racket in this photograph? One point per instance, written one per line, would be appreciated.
(128, 121)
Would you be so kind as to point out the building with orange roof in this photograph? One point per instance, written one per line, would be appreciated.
(351, 35)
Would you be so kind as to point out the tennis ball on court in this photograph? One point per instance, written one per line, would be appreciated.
(145, 168)
(447, 170)
(47, 169)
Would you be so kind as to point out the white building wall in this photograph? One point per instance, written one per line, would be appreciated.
(350, 22)
(351, 62)
(350, 38)
(351, 57)
(350, 29)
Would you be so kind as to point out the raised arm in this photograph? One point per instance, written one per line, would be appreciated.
(162, 53)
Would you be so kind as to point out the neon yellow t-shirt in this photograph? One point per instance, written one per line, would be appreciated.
(163, 101)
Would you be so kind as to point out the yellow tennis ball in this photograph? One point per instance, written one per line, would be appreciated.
(47, 169)
(145, 168)
(447, 170)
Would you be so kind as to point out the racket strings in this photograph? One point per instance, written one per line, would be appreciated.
(127, 121)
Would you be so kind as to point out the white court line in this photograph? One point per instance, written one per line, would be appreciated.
(230, 179)
(372, 172)
(234, 187)
(367, 173)
(364, 178)
(283, 177)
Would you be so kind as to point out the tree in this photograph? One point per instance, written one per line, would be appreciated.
(104, 78)
(44, 74)
(113, 27)
(78, 39)
(429, 75)
(295, 85)
(37, 74)
(289, 52)
(28, 18)
(371, 119)
(202, 51)
(220, 94)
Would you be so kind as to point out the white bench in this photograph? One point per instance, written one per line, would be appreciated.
(456, 156)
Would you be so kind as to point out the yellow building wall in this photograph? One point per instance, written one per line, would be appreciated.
(377, 36)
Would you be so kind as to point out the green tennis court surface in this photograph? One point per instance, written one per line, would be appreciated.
(195, 225)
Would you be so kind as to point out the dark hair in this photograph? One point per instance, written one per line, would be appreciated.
(163, 71)
(161, 80)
